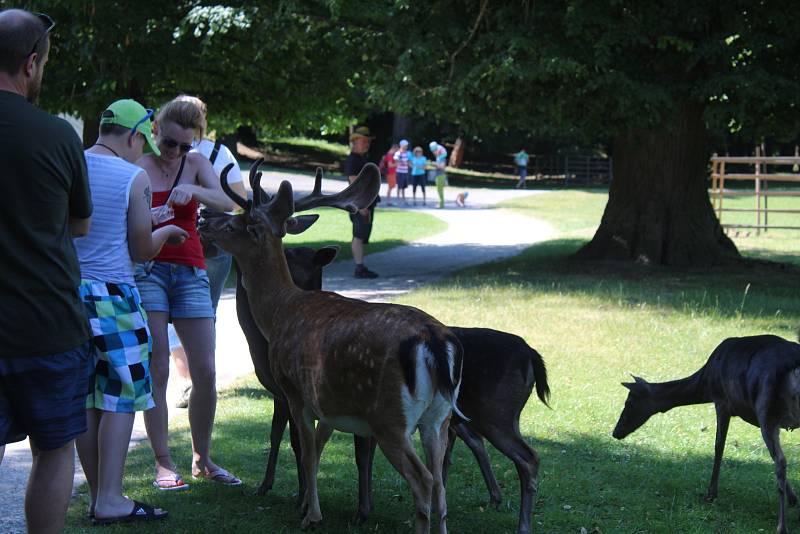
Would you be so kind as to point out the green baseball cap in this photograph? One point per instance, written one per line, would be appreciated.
(131, 114)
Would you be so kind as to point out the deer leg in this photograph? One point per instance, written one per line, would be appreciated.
(308, 456)
(771, 437)
(280, 417)
(294, 438)
(322, 436)
(399, 450)
(448, 453)
(510, 443)
(434, 442)
(365, 453)
(723, 421)
(791, 498)
(475, 443)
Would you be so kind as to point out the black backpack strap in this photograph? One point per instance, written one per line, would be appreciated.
(180, 171)
(213, 157)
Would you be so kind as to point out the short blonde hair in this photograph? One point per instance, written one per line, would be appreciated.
(185, 112)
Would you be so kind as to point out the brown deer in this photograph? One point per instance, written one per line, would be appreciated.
(499, 373)
(377, 370)
(756, 378)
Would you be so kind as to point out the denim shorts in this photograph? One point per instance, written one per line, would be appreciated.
(182, 291)
(44, 397)
(217, 269)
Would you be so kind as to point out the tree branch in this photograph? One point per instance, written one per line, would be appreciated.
(484, 4)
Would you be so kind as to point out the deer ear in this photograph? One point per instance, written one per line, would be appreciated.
(325, 255)
(301, 223)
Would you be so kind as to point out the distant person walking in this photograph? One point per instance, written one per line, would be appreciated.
(521, 159)
(388, 167)
(362, 220)
(418, 173)
(45, 362)
(440, 160)
(402, 157)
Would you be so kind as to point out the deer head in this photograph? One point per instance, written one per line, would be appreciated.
(638, 408)
(267, 219)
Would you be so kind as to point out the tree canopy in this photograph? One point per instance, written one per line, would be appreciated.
(577, 68)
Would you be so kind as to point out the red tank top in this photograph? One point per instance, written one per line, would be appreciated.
(190, 252)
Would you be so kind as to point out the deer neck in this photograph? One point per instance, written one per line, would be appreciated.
(268, 283)
(690, 390)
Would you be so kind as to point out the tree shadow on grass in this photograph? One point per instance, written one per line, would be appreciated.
(748, 288)
(586, 481)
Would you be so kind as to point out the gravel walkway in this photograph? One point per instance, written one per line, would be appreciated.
(476, 234)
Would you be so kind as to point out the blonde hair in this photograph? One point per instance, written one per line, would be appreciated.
(185, 111)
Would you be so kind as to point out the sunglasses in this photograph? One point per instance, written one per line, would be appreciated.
(171, 143)
(149, 113)
(49, 25)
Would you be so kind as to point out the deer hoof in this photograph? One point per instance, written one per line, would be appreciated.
(707, 498)
(361, 517)
(263, 489)
(495, 502)
(310, 521)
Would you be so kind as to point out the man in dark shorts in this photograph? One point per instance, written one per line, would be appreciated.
(360, 140)
(44, 350)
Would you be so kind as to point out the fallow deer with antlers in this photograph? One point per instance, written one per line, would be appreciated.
(380, 370)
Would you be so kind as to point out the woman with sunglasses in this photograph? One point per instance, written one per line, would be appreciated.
(175, 287)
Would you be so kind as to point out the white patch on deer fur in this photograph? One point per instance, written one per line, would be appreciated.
(346, 423)
(451, 357)
(414, 406)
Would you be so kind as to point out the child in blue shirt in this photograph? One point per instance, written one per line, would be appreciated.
(418, 163)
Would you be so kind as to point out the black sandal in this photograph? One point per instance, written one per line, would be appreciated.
(140, 512)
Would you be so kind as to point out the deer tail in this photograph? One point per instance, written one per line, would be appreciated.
(449, 358)
(540, 377)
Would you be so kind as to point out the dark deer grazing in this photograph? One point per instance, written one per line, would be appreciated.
(498, 376)
(370, 369)
(756, 378)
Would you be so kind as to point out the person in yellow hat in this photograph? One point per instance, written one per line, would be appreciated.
(360, 141)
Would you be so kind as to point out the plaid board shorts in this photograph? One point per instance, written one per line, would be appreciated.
(122, 347)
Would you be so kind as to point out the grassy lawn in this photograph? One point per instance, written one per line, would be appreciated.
(391, 228)
(594, 324)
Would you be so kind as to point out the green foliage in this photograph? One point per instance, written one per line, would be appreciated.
(259, 64)
(560, 68)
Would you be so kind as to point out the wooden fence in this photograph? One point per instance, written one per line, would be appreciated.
(763, 171)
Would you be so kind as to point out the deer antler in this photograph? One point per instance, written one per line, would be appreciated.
(223, 180)
(357, 195)
(259, 195)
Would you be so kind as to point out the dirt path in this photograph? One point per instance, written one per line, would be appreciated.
(476, 234)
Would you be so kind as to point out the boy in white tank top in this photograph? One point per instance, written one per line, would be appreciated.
(121, 235)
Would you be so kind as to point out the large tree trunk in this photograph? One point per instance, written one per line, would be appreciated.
(658, 207)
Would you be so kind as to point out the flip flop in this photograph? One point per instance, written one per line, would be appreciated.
(220, 476)
(173, 482)
(140, 512)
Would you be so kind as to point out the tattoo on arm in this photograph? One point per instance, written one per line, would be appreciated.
(147, 196)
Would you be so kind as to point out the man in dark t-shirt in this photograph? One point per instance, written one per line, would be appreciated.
(360, 140)
(44, 194)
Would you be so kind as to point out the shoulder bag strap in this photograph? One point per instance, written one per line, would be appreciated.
(213, 157)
